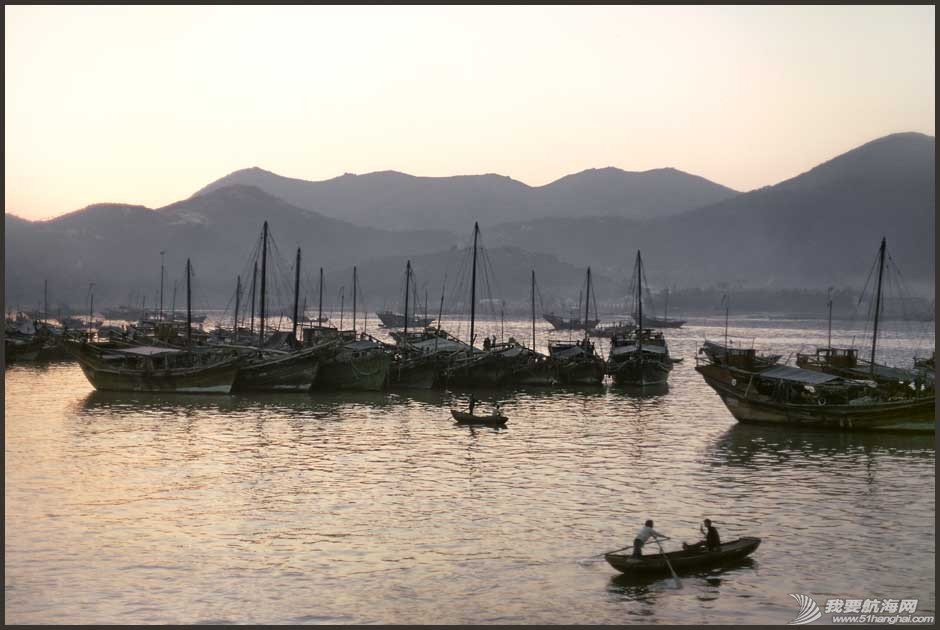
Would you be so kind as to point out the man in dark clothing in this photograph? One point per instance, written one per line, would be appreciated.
(712, 540)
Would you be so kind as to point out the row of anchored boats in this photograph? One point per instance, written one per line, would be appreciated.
(170, 356)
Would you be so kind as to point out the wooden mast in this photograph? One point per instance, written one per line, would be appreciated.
(264, 265)
(473, 284)
(407, 289)
(639, 302)
(320, 309)
(254, 281)
(874, 333)
(238, 299)
(296, 294)
(161, 286)
(587, 299)
(533, 310)
(189, 306)
(355, 291)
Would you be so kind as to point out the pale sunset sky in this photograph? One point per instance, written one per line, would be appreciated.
(146, 105)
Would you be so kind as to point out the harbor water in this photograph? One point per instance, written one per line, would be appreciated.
(378, 508)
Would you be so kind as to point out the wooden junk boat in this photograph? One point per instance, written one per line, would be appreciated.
(576, 362)
(123, 367)
(684, 560)
(790, 395)
(640, 357)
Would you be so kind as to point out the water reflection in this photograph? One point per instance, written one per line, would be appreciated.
(775, 447)
(641, 391)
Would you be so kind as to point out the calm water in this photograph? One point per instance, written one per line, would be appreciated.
(377, 508)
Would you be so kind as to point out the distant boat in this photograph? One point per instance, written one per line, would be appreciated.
(664, 322)
(576, 323)
(612, 330)
(656, 322)
(397, 320)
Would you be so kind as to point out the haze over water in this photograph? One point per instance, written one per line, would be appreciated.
(377, 508)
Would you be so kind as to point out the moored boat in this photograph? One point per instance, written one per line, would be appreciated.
(790, 395)
(576, 362)
(639, 357)
(684, 560)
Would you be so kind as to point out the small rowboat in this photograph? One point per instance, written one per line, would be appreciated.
(469, 418)
(690, 559)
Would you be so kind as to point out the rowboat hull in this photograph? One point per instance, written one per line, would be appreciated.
(655, 564)
(468, 418)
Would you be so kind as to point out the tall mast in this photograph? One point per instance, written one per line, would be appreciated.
(189, 306)
(91, 304)
(173, 306)
(587, 299)
(342, 305)
(425, 301)
(440, 310)
(45, 300)
(533, 310)
(264, 266)
(355, 291)
(407, 290)
(639, 301)
(666, 310)
(727, 308)
(473, 283)
(238, 299)
(251, 319)
(296, 293)
(161, 287)
(874, 333)
(829, 338)
(320, 311)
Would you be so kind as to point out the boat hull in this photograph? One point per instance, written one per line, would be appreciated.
(295, 372)
(917, 414)
(212, 380)
(640, 373)
(581, 373)
(468, 418)
(655, 564)
(367, 372)
(419, 373)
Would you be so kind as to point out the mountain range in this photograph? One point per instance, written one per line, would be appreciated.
(397, 201)
(817, 229)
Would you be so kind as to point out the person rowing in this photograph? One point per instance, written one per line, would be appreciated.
(643, 535)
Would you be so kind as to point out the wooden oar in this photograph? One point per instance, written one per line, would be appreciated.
(668, 564)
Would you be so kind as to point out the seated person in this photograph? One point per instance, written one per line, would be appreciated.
(712, 541)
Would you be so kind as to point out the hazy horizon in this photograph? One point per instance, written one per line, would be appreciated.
(146, 105)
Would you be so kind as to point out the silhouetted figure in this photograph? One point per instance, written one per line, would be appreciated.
(642, 536)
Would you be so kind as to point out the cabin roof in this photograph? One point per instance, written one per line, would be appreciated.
(144, 351)
(798, 375)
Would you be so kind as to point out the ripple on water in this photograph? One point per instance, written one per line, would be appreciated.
(377, 508)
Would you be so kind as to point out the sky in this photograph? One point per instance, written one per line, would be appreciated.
(146, 105)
